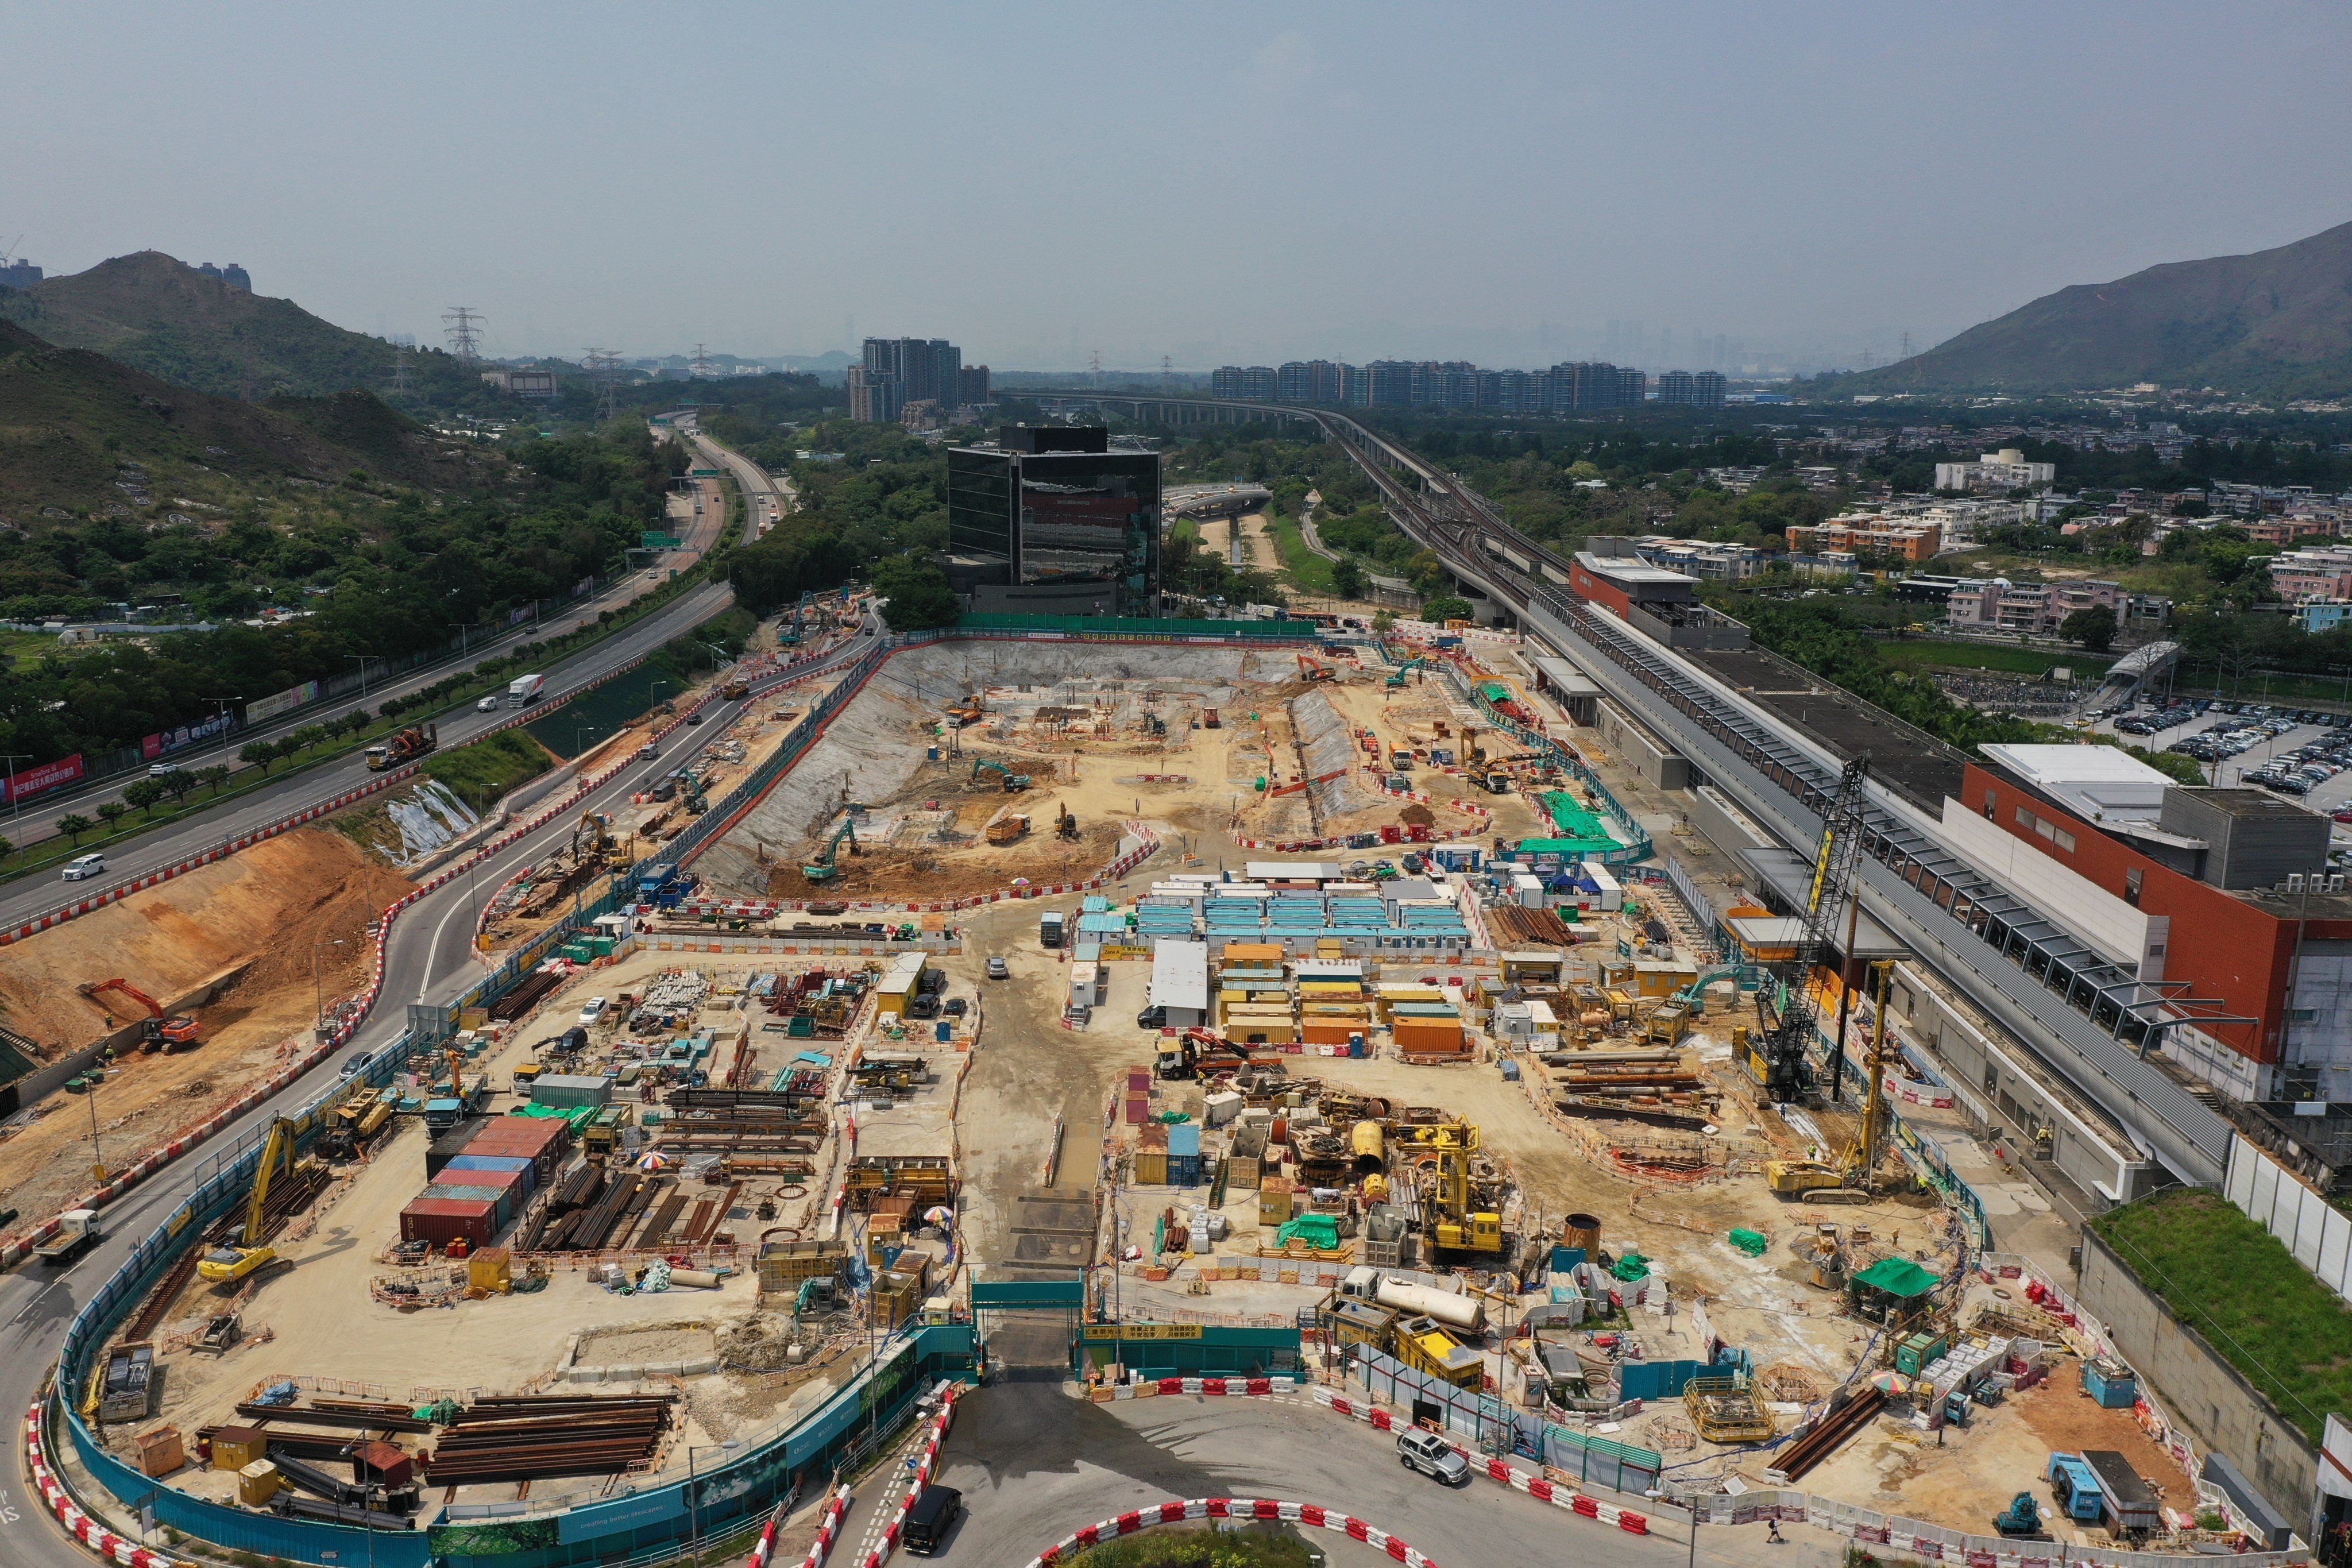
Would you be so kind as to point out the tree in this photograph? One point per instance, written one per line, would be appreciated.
(178, 782)
(307, 737)
(257, 754)
(2094, 626)
(919, 592)
(144, 794)
(214, 776)
(1347, 577)
(6, 849)
(1444, 609)
(113, 811)
(73, 826)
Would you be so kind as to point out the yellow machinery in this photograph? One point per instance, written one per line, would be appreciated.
(1452, 1224)
(1851, 1176)
(224, 1265)
(1064, 825)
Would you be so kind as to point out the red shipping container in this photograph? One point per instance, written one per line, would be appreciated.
(442, 1220)
(1138, 1112)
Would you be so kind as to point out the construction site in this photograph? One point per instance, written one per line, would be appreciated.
(604, 1226)
(1400, 1039)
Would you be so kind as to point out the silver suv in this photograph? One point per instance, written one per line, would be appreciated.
(998, 971)
(1434, 1456)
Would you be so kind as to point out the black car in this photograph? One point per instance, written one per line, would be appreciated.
(955, 1007)
(929, 1521)
(1152, 1018)
(925, 1005)
(695, 717)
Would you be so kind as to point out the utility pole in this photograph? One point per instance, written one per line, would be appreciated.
(462, 325)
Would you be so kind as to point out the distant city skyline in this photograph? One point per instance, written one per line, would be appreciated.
(1330, 181)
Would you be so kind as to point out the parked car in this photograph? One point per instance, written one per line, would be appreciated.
(593, 1011)
(1434, 1456)
(954, 1008)
(1154, 1017)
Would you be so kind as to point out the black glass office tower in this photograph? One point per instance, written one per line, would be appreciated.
(1051, 522)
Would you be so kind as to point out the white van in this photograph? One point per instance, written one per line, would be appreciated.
(488, 705)
(82, 867)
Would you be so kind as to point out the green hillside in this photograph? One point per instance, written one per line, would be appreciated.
(2275, 323)
(160, 315)
(83, 433)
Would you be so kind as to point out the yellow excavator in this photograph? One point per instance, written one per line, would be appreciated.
(1851, 1176)
(240, 1259)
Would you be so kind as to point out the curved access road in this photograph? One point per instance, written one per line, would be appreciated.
(1035, 1464)
(427, 958)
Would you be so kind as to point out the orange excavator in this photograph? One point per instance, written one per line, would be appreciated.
(1314, 669)
(164, 1033)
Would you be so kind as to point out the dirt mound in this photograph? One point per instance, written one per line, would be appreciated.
(266, 905)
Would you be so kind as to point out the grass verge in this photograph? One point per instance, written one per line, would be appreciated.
(1912, 653)
(2236, 1284)
(1306, 569)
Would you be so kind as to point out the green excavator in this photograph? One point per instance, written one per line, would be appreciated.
(1012, 782)
(824, 868)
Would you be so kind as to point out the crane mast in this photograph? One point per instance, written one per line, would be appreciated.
(1781, 1066)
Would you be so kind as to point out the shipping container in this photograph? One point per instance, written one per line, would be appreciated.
(444, 1220)
(448, 1145)
(502, 1203)
(567, 1091)
(521, 1162)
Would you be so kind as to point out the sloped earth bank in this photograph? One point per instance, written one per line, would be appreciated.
(265, 907)
(874, 753)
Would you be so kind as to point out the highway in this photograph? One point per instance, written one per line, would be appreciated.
(28, 898)
(429, 959)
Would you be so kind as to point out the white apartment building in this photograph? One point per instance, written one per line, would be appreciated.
(2006, 470)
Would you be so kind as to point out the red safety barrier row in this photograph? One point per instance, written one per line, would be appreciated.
(924, 1471)
(1495, 1469)
(1248, 1387)
(78, 1525)
(1305, 1514)
(828, 1530)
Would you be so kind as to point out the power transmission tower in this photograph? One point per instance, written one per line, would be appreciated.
(701, 363)
(1907, 346)
(604, 366)
(1167, 374)
(403, 349)
(1097, 366)
(463, 327)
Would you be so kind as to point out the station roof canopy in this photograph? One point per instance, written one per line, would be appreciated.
(1791, 876)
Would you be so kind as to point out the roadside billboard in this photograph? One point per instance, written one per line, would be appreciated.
(164, 742)
(286, 701)
(40, 779)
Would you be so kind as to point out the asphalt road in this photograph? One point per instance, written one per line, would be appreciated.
(1034, 1464)
(29, 897)
(429, 960)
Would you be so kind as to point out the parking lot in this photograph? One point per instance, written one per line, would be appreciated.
(2301, 755)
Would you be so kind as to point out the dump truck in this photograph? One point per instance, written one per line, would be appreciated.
(412, 743)
(78, 1232)
(735, 690)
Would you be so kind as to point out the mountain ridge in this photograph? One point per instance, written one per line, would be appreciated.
(2277, 321)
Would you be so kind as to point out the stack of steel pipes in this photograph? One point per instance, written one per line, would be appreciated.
(523, 1437)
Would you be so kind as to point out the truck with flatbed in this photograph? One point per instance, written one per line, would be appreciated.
(78, 1232)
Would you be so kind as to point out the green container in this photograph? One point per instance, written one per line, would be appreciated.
(576, 952)
(801, 1027)
(602, 946)
(1918, 1352)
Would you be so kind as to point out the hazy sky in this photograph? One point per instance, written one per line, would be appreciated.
(1212, 183)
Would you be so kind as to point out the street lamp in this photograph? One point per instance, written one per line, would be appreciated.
(226, 730)
(15, 806)
(579, 745)
(318, 997)
(1655, 1495)
(362, 660)
(693, 1503)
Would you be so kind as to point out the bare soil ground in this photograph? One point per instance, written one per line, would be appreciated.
(264, 908)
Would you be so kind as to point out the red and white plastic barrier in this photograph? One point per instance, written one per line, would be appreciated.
(1495, 1469)
(1305, 1514)
(828, 1530)
(78, 1525)
(924, 1470)
(1242, 1387)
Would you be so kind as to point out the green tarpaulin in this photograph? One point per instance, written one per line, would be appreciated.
(1632, 1267)
(1898, 1277)
(1316, 1230)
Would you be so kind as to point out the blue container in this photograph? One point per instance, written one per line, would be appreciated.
(1564, 1258)
(945, 1031)
(2111, 1384)
(1184, 1141)
(1183, 1170)
(528, 1166)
